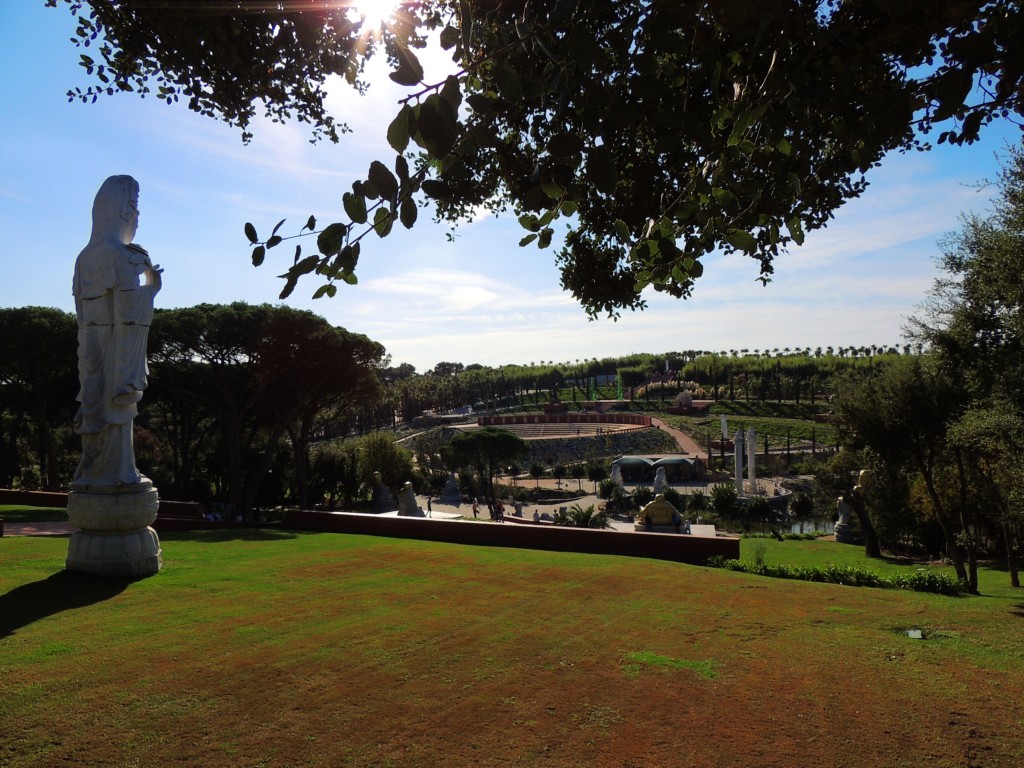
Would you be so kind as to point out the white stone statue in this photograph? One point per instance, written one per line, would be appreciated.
(617, 475)
(114, 286)
(381, 499)
(115, 282)
(660, 481)
(407, 506)
(845, 512)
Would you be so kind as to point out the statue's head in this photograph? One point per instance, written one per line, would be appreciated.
(115, 211)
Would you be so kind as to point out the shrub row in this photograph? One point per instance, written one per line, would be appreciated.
(851, 576)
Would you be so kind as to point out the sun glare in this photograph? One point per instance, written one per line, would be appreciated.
(374, 12)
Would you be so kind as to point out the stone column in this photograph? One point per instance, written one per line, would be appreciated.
(752, 460)
(737, 448)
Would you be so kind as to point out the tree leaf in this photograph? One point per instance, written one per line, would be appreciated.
(355, 207)
(310, 223)
(601, 169)
(258, 254)
(438, 126)
(274, 232)
(436, 189)
(383, 180)
(275, 240)
(529, 221)
(528, 239)
(250, 232)
(402, 169)
(410, 71)
(327, 289)
(330, 240)
(289, 285)
(449, 37)
(408, 212)
(741, 239)
(723, 196)
(507, 81)
(305, 266)
(552, 190)
(622, 230)
(796, 230)
(382, 222)
(400, 130)
(565, 144)
(451, 92)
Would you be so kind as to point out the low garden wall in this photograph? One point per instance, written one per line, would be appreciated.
(694, 550)
(636, 419)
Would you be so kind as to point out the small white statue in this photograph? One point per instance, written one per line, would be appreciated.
(114, 286)
(407, 506)
(617, 475)
(660, 481)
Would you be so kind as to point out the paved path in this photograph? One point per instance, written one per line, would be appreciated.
(38, 529)
(686, 443)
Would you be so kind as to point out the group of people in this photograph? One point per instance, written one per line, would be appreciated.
(496, 510)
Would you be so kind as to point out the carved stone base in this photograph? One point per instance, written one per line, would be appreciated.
(848, 534)
(115, 539)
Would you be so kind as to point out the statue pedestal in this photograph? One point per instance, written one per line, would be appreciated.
(848, 534)
(115, 538)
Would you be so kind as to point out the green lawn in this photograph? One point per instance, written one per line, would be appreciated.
(290, 649)
(992, 581)
(13, 513)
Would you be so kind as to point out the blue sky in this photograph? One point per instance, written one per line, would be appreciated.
(479, 299)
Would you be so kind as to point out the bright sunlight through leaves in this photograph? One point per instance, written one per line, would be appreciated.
(374, 12)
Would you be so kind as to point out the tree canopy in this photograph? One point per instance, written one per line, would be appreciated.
(657, 133)
(259, 372)
(489, 450)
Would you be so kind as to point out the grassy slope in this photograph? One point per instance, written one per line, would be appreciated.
(325, 650)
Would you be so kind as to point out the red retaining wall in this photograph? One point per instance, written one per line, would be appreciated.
(638, 419)
(694, 550)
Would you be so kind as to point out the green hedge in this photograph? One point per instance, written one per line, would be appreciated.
(919, 581)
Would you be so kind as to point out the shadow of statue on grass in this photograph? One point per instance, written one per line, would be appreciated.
(63, 591)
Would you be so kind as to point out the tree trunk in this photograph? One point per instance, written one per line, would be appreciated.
(265, 462)
(1011, 557)
(969, 527)
(952, 547)
(234, 446)
(871, 545)
(300, 462)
